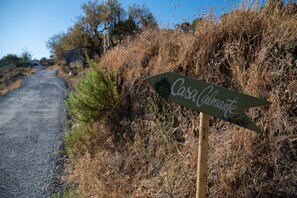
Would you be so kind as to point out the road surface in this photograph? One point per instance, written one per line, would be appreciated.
(32, 123)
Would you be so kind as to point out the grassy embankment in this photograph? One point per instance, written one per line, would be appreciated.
(143, 146)
(9, 77)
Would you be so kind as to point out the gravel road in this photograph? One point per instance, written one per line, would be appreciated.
(32, 123)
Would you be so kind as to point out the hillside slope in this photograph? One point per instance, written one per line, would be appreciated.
(147, 147)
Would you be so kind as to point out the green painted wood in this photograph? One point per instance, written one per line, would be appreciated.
(200, 96)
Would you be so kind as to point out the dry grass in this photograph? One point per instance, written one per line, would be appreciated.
(28, 71)
(148, 147)
(71, 80)
(10, 87)
(9, 77)
(53, 67)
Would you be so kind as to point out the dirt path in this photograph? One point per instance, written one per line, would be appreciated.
(32, 123)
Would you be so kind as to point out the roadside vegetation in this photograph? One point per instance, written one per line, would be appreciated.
(125, 141)
(19, 61)
(101, 27)
(47, 61)
(11, 68)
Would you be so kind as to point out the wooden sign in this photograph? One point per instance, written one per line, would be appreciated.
(207, 98)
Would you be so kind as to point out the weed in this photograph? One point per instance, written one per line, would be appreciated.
(251, 51)
(72, 137)
(95, 95)
(67, 194)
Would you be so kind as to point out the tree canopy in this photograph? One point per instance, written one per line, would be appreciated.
(23, 60)
(98, 20)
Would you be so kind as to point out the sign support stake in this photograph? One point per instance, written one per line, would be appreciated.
(202, 156)
(201, 96)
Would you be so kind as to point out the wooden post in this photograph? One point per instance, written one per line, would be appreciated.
(202, 156)
(173, 86)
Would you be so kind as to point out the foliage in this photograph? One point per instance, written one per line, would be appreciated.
(10, 77)
(95, 95)
(250, 51)
(198, 22)
(98, 19)
(26, 56)
(73, 138)
(19, 61)
(54, 44)
(46, 62)
(10, 59)
(142, 16)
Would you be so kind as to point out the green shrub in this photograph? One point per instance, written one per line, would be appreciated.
(67, 194)
(71, 138)
(19, 61)
(95, 95)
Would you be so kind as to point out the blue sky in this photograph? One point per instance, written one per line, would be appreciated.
(27, 24)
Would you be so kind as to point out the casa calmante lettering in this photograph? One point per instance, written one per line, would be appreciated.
(200, 96)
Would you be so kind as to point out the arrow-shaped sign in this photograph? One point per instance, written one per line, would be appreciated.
(200, 96)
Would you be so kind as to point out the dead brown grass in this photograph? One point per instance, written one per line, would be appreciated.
(150, 146)
(10, 87)
(53, 67)
(28, 71)
(70, 79)
(9, 77)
